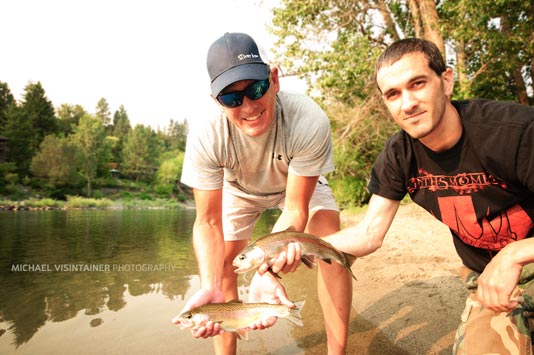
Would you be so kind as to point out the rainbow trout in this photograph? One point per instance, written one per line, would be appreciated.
(235, 316)
(267, 248)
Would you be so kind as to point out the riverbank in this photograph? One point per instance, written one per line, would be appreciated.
(77, 202)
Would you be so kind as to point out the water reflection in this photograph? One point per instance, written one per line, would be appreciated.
(131, 253)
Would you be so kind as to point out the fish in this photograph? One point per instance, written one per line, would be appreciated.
(236, 316)
(266, 249)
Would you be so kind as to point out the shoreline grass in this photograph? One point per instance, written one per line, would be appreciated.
(78, 202)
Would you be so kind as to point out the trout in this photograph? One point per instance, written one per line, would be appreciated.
(267, 249)
(236, 317)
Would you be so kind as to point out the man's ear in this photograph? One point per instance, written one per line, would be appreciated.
(448, 81)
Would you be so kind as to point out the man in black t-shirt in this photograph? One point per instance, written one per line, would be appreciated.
(471, 165)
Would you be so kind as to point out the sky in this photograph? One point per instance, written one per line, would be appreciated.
(147, 55)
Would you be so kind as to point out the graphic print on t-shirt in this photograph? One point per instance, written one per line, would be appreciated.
(458, 212)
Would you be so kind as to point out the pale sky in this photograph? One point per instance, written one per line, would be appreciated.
(148, 55)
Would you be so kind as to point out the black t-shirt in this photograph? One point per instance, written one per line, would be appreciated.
(482, 188)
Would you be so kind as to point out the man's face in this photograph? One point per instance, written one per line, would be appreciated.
(253, 117)
(415, 95)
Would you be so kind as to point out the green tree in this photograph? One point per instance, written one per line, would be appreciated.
(69, 117)
(90, 138)
(57, 162)
(38, 110)
(494, 46)
(140, 153)
(170, 169)
(121, 122)
(6, 99)
(121, 127)
(176, 135)
(19, 131)
(103, 112)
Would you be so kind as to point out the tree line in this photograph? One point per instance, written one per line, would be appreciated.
(66, 150)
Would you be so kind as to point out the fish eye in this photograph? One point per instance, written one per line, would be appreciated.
(242, 257)
(188, 316)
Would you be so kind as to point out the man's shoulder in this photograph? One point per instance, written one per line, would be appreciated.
(492, 112)
(300, 109)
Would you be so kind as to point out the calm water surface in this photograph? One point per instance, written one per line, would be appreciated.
(103, 282)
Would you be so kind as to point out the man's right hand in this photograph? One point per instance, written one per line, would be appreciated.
(202, 297)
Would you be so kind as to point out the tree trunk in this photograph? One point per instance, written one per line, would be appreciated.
(414, 10)
(515, 66)
(463, 81)
(430, 22)
(386, 16)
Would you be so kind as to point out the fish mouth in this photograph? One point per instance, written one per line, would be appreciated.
(242, 269)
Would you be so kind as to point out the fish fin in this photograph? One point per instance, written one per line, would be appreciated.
(294, 314)
(243, 332)
(349, 260)
(327, 260)
(274, 274)
(290, 229)
(349, 270)
(307, 260)
(235, 301)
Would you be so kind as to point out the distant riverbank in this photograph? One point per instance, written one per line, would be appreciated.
(77, 202)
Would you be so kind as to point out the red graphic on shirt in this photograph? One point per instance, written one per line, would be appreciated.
(458, 213)
(464, 183)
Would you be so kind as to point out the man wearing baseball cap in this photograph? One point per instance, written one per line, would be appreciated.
(268, 148)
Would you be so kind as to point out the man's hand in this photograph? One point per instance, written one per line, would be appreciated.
(202, 297)
(287, 261)
(498, 281)
(266, 288)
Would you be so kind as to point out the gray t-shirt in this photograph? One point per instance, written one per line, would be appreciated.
(298, 143)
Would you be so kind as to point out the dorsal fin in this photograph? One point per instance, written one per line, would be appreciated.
(235, 301)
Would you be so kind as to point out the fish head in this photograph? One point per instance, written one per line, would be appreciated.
(249, 259)
(188, 320)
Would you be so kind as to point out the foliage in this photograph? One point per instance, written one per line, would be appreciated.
(170, 168)
(74, 202)
(6, 99)
(69, 117)
(57, 162)
(20, 133)
(359, 136)
(496, 40)
(89, 137)
(140, 152)
(103, 114)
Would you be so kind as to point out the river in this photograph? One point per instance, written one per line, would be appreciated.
(107, 282)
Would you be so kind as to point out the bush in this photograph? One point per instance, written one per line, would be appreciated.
(82, 202)
(163, 190)
(350, 192)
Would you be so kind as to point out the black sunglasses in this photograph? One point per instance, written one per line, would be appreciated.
(254, 91)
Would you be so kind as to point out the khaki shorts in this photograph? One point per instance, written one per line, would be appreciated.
(241, 211)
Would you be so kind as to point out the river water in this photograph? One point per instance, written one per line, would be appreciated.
(109, 282)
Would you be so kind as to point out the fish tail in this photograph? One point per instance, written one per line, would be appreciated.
(294, 314)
